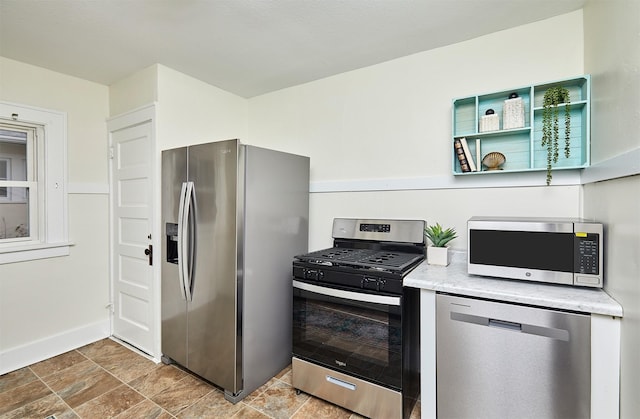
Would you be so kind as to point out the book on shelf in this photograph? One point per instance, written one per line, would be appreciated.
(478, 155)
(464, 164)
(468, 155)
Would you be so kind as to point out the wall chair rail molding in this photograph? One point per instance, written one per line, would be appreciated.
(504, 180)
(625, 164)
(88, 188)
(622, 165)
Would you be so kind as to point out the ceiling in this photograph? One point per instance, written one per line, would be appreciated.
(247, 47)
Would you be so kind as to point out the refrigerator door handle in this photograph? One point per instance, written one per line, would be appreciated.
(181, 240)
(189, 240)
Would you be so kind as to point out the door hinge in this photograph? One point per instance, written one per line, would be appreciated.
(110, 307)
(111, 153)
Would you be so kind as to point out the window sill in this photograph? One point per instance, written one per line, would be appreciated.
(33, 252)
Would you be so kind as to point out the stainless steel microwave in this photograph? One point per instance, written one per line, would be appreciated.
(558, 251)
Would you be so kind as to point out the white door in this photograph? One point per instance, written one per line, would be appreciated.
(133, 286)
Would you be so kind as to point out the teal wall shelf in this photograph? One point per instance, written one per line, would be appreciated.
(521, 146)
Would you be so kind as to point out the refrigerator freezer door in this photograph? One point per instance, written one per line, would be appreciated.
(212, 339)
(174, 305)
(276, 216)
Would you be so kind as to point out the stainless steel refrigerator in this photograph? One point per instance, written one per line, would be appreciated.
(233, 216)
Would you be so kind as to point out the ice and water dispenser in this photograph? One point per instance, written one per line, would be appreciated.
(172, 242)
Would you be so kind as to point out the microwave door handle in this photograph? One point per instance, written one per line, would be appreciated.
(181, 240)
(189, 241)
(349, 295)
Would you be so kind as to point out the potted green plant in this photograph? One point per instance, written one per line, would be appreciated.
(438, 252)
(553, 97)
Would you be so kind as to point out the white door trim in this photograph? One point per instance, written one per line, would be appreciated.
(145, 114)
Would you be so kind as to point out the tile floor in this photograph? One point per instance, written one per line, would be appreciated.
(107, 380)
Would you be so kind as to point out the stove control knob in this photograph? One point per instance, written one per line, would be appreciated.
(368, 283)
(313, 274)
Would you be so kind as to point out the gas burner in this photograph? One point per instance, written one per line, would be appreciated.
(362, 258)
(335, 253)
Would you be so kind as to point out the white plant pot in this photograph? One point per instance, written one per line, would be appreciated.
(438, 256)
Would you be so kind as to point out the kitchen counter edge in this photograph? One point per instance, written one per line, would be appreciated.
(454, 279)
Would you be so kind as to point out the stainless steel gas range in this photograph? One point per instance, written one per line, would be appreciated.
(355, 328)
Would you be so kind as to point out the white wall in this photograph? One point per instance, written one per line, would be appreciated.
(135, 91)
(562, 201)
(60, 299)
(612, 56)
(190, 111)
(392, 123)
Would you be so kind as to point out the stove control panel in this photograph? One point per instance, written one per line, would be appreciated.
(377, 228)
(400, 231)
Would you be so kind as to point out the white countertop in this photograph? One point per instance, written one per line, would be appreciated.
(454, 279)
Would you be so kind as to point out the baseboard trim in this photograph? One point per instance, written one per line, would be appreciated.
(21, 356)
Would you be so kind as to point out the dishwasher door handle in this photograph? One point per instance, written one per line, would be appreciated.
(531, 329)
(503, 324)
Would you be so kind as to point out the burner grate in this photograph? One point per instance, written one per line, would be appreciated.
(367, 258)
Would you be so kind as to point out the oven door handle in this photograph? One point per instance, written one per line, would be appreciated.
(349, 295)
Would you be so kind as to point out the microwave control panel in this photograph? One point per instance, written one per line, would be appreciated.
(587, 253)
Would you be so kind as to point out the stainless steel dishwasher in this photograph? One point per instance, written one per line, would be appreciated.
(500, 360)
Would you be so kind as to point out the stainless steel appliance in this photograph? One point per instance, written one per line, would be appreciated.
(355, 328)
(559, 251)
(233, 215)
(497, 360)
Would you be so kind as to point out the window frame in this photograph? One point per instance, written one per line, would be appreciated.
(52, 238)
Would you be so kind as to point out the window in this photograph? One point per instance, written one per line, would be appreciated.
(17, 181)
(4, 175)
(33, 202)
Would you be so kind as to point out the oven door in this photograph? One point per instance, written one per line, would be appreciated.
(355, 333)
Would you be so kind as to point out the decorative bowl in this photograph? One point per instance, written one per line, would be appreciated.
(494, 160)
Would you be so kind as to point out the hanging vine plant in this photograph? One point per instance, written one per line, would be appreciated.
(553, 97)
